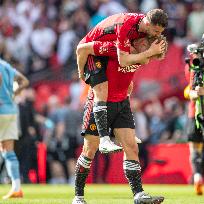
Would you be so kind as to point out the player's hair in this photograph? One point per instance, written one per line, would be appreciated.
(158, 17)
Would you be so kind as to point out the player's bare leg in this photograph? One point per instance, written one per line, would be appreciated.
(101, 118)
(12, 167)
(83, 165)
(131, 166)
(196, 161)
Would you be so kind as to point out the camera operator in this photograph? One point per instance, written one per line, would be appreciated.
(195, 93)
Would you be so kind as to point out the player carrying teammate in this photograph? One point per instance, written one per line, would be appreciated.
(121, 29)
(121, 123)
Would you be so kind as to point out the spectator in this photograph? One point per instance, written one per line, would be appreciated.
(75, 91)
(63, 143)
(43, 40)
(16, 46)
(110, 7)
(148, 5)
(157, 124)
(132, 6)
(72, 123)
(196, 21)
(67, 38)
(29, 134)
(174, 123)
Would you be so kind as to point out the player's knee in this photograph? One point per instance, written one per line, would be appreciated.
(89, 151)
(131, 150)
(6, 146)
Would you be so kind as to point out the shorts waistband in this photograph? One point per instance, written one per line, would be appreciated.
(119, 102)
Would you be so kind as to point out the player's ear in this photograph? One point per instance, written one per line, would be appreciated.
(146, 21)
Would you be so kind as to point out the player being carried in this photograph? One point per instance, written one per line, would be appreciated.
(122, 29)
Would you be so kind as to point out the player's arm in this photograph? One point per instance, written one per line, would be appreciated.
(93, 48)
(82, 53)
(125, 58)
(195, 94)
(130, 88)
(22, 82)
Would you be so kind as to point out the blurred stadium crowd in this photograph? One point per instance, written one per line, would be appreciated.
(39, 38)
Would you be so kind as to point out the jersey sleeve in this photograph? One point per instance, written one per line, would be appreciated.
(12, 71)
(105, 49)
(128, 31)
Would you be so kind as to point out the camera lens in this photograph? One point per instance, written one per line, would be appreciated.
(196, 62)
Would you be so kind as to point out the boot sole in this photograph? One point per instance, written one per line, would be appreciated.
(111, 152)
(155, 201)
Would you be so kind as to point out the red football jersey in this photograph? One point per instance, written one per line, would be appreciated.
(119, 78)
(121, 28)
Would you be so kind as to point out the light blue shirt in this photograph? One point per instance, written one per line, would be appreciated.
(7, 72)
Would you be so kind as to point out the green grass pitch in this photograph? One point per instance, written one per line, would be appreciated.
(101, 194)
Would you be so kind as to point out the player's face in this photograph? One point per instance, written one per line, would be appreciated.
(154, 30)
(140, 45)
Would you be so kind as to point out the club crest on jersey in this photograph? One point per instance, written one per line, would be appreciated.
(130, 68)
(93, 127)
(98, 65)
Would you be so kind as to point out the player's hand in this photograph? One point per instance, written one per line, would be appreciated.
(17, 92)
(158, 47)
(200, 90)
(17, 96)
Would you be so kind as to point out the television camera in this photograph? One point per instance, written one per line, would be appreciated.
(197, 65)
